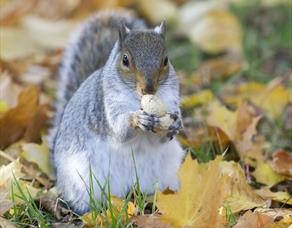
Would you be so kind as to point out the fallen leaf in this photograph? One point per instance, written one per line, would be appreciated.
(201, 194)
(239, 126)
(149, 221)
(266, 193)
(5, 203)
(3, 107)
(167, 10)
(5, 223)
(211, 26)
(54, 9)
(37, 125)
(266, 175)
(11, 173)
(12, 11)
(15, 121)
(117, 204)
(271, 98)
(219, 116)
(282, 162)
(218, 68)
(7, 172)
(202, 97)
(9, 91)
(254, 220)
(51, 35)
(275, 212)
(241, 196)
(40, 155)
(15, 43)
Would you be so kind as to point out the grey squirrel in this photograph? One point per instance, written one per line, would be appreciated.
(111, 62)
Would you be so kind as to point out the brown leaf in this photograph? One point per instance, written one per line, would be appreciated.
(32, 133)
(5, 223)
(218, 68)
(15, 121)
(254, 220)
(12, 11)
(149, 221)
(282, 162)
(53, 206)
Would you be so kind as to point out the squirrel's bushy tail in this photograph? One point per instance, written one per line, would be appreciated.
(88, 51)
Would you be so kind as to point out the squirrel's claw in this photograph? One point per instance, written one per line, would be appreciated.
(175, 127)
(145, 121)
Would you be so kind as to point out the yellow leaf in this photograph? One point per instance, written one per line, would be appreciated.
(7, 172)
(266, 175)
(3, 106)
(40, 155)
(100, 220)
(202, 97)
(239, 125)
(283, 197)
(241, 196)
(201, 194)
(220, 116)
(11, 173)
(271, 98)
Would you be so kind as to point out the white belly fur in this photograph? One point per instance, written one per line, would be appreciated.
(155, 162)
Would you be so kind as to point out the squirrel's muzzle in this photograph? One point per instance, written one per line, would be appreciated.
(149, 87)
(147, 83)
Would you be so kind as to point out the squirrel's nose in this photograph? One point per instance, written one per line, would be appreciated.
(149, 87)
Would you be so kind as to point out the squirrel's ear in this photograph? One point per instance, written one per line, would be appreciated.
(123, 31)
(161, 29)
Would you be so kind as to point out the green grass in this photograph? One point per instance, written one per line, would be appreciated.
(230, 217)
(28, 213)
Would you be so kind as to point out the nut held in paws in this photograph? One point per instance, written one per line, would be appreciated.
(152, 104)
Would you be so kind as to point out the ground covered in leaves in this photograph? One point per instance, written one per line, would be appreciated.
(234, 63)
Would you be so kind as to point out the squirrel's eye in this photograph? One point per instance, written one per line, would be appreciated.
(126, 60)
(165, 61)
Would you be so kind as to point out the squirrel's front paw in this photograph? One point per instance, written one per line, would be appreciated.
(144, 121)
(175, 127)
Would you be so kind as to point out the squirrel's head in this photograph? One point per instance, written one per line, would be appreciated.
(143, 62)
